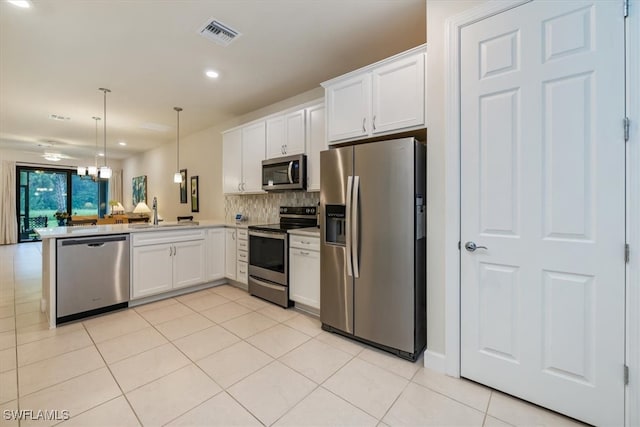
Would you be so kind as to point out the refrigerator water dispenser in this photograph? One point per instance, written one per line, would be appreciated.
(336, 225)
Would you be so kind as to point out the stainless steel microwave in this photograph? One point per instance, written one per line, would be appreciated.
(285, 173)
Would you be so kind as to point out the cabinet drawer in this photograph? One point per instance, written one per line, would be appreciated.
(243, 256)
(242, 234)
(304, 242)
(243, 272)
(243, 245)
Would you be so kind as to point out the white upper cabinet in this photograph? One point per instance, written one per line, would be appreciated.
(286, 134)
(316, 142)
(232, 161)
(398, 95)
(383, 98)
(253, 153)
(349, 107)
(298, 130)
(243, 150)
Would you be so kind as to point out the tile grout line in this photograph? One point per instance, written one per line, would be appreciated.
(112, 377)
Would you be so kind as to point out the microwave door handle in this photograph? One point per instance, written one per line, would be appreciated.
(289, 171)
(355, 244)
(348, 225)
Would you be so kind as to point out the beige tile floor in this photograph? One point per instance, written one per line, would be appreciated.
(218, 357)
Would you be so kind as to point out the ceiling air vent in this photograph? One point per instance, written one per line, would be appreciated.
(218, 32)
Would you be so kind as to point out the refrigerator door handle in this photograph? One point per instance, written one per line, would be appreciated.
(348, 225)
(355, 246)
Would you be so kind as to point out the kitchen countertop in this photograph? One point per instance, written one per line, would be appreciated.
(310, 231)
(100, 230)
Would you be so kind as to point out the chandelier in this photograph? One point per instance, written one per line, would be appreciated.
(95, 172)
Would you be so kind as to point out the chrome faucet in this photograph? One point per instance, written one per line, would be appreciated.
(155, 211)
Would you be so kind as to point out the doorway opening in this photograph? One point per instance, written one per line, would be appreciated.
(46, 197)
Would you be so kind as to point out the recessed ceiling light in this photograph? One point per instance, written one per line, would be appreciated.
(59, 117)
(212, 74)
(20, 3)
(101, 154)
(52, 157)
(122, 143)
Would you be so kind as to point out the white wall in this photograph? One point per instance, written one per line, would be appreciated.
(201, 155)
(437, 13)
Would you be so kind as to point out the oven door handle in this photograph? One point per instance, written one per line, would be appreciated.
(268, 235)
(267, 284)
(289, 172)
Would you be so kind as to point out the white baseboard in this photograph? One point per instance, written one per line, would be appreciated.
(435, 361)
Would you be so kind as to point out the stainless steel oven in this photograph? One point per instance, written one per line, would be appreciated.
(285, 173)
(269, 254)
(268, 260)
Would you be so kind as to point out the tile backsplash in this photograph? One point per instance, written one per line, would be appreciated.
(263, 208)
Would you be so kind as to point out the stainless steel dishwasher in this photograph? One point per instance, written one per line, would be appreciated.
(92, 276)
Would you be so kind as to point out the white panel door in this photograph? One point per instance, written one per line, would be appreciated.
(304, 276)
(542, 161)
(232, 161)
(253, 153)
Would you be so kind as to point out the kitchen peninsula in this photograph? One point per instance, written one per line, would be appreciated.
(161, 261)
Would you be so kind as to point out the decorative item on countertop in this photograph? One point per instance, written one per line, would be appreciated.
(61, 217)
(195, 203)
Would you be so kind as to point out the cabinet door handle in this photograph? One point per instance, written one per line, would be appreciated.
(304, 253)
(374, 123)
(364, 120)
(239, 187)
(233, 235)
(243, 189)
(282, 149)
(170, 251)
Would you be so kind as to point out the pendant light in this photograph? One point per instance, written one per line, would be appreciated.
(177, 177)
(91, 171)
(105, 171)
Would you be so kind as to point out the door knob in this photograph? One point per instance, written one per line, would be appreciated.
(471, 246)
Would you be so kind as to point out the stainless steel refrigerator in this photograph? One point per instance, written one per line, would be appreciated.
(373, 245)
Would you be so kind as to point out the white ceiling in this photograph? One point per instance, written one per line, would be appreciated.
(55, 55)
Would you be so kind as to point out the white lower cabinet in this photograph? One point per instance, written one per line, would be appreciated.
(304, 270)
(189, 263)
(152, 270)
(162, 261)
(215, 253)
(230, 267)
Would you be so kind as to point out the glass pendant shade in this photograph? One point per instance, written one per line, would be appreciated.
(93, 170)
(105, 172)
(82, 170)
(177, 178)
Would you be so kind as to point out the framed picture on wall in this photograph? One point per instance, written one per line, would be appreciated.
(195, 203)
(139, 189)
(183, 186)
